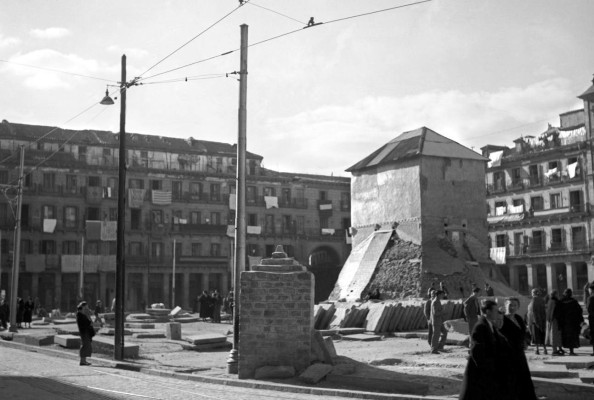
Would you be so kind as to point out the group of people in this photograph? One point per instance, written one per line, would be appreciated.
(209, 305)
(557, 321)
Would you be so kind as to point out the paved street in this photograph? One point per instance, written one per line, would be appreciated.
(30, 375)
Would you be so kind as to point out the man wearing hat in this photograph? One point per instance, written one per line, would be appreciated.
(86, 331)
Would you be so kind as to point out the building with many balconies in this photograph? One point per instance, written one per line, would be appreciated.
(180, 194)
(539, 203)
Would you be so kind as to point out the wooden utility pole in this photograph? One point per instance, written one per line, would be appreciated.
(118, 351)
(240, 222)
(17, 246)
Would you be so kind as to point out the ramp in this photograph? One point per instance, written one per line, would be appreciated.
(360, 266)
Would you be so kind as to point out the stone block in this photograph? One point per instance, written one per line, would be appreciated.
(187, 320)
(139, 325)
(205, 338)
(67, 341)
(330, 347)
(362, 337)
(275, 372)
(319, 352)
(148, 335)
(207, 346)
(64, 321)
(33, 340)
(173, 331)
(315, 373)
(351, 331)
(105, 345)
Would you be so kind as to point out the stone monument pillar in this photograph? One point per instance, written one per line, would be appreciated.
(276, 304)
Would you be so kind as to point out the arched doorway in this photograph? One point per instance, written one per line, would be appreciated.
(324, 263)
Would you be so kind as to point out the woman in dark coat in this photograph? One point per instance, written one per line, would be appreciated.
(86, 331)
(28, 308)
(514, 330)
(217, 301)
(570, 321)
(204, 301)
(488, 375)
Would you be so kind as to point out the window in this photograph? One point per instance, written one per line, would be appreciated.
(215, 249)
(176, 190)
(553, 164)
(3, 177)
(499, 180)
(112, 183)
(300, 224)
(135, 215)
(516, 176)
(93, 214)
(93, 247)
(156, 185)
(252, 219)
(196, 249)
(269, 191)
(287, 224)
(253, 250)
(157, 217)
(500, 240)
(324, 222)
(196, 190)
(71, 183)
(82, 153)
(269, 250)
(48, 212)
(113, 214)
(215, 218)
(538, 238)
(26, 246)
(94, 181)
(195, 218)
(572, 160)
(70, 247)
(555, 200)
(269, 224)
(49, 180)
(135, 248)
(345, 201)
(557, 236)
(323, 195)
(157, 250)
(70, 217)
(251, 194)
(136, 184)
(537, 203)
(215, 192)
(47, 247)
(286, 195)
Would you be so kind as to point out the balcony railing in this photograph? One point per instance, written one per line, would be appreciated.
(292, 202)
(532, 182)
(550, 248)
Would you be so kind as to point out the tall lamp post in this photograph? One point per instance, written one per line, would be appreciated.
(118, 353)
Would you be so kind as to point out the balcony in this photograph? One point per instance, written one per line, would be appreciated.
(292, 202)
(208, 198)
(207, 229)
(553, 248)
(533, 182)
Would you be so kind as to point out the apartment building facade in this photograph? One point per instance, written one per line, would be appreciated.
(180, 210)
(539, 204)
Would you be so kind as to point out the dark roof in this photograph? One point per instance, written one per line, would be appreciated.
(588, 94)
(413, 144)
(87, 137)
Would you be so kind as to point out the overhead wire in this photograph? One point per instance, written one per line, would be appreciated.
(276, 12)
(287, 34)
(57, 70)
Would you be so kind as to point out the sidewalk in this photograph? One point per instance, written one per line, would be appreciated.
(376, 366)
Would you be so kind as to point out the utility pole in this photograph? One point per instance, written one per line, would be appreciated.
(240, 222)
(173, 279)
(17, 246)
(118, 351)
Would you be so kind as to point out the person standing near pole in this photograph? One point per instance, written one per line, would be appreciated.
(86, 331)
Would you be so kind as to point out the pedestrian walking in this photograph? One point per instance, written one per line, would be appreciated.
(570, 321)
(553, 334)
(440, 333)
(590, 308)
(204, 299)
(472, 309)
(536, 319)
(487, 374)
(427, 312)
(99, 309)
(20, 312)
(28, 308)
(216, 301)
(514, 330)
(86, 332)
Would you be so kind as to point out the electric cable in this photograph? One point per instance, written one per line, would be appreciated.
(57, 70)
(276, 12)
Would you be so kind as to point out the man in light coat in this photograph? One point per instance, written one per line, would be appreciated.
(440, 333)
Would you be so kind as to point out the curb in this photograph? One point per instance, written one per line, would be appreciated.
(247, 383)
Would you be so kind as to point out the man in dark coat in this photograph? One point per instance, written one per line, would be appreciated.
(427, 312)
(487, 374)
(204, 301)
(4, 314)
(590, 308)
(570, 321)
(86, 331)
(472, 309)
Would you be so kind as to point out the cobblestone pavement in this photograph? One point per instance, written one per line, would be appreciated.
(30, 375)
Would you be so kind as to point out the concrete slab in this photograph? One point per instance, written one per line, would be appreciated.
(64, 321)
(362, 337)
(551, 371)
(148, 335)
(351, 331)
(377, 384)
(279, 372)
(67, 341)
(205, 338)
(315, 373)
(139, 325)
(577, 362)
(328, 332)
(186, 320)
(33, 340)
(207, 346)
(105, 345)
(40, 323)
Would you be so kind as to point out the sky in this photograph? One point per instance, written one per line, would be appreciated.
(318, 99)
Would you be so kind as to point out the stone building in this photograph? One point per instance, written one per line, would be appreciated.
(178, 191)
(539, 200)
(422, 190)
